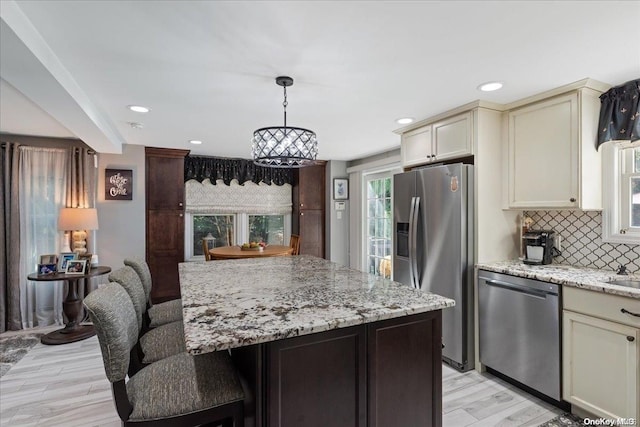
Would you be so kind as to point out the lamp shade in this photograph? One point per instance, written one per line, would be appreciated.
(78, 219)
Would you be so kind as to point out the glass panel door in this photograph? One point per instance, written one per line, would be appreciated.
(379, 222)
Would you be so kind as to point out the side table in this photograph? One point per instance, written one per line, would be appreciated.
(71, 306)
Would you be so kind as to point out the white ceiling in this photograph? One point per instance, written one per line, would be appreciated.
(207, 68)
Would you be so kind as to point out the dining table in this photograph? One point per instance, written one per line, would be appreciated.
(236, 252)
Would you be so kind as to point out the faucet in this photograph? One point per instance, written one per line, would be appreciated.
(622, 270)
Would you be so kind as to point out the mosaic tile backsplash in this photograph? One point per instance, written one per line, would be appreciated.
(582, 240)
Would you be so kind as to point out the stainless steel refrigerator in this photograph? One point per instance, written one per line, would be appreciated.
(434, 248)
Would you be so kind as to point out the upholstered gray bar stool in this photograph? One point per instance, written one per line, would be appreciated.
(181, 390)
(157, 343)
(158, 314)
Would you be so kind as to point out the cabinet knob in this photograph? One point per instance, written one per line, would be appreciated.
(180, 215)
(301, 213)
(631, 339)
(180, 204)
(301, 205)
(572, 200)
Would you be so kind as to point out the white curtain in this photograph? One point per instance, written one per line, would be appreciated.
(42, 173)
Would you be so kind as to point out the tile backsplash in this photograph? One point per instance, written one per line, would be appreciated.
(582, 240)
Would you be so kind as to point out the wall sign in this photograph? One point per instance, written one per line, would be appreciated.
(118, 184)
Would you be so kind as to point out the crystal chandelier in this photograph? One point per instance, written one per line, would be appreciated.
(284, 146)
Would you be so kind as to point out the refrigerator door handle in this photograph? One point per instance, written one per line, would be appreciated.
(414, 249)
(412, 253)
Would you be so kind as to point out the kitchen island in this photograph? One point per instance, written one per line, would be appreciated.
(319, 344)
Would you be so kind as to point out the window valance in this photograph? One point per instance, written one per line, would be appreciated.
(619, 113)
(204, 197)
(225, 169)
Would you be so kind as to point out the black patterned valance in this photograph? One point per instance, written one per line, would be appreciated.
(214, 168)
(619, 113)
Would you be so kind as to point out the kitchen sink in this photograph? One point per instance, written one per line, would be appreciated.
(626, 282)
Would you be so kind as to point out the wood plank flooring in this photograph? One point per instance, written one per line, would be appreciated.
(65, 385)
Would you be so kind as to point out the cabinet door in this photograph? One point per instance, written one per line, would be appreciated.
(312, 232)
(165, 187)
(311, 187)
(405, 371)
(600, 366)
(543, 154)
(318, 380)
(452, 137)
(416, 147)
(165, 251)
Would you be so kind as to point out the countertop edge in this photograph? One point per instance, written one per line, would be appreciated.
(582, 277)
(227, 344)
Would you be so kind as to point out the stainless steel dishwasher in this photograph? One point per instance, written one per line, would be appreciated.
(519, 321)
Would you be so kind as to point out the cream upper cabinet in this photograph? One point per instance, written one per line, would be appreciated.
(552, 160)
(445, 139)
(601, 346)
(415, 148)
(452, 137)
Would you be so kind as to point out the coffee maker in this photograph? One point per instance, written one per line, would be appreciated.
(538, 247)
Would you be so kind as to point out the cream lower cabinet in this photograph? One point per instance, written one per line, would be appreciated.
(601, 372)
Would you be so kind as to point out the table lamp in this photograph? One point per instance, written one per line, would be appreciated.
(78, 220)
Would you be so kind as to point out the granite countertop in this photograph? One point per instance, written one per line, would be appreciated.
(567, 275)
(237, 303)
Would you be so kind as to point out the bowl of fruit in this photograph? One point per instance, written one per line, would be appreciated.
(253, 246)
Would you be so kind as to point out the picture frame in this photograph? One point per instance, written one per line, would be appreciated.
(49, 259)
(87, 258)
(64, 257)
(76, 266)
(46, 269)
(118, 184)
(340, 189)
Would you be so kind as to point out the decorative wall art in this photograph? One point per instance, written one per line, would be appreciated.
(118, 184)
(340, 189)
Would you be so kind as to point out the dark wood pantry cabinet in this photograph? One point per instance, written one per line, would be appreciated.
(164, 219)
(309, 208)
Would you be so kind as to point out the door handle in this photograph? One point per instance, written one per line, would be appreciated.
(412, 248)
(416, 209)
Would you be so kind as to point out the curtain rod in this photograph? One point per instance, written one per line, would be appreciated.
(89, 151)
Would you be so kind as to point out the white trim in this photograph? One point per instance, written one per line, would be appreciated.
(376, 165)
(611, 197)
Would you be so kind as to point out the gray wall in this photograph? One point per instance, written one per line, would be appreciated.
(122, 223)
(337, 222)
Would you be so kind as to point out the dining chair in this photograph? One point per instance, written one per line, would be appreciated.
(294, 243)
(182, 390)
(153, 343)
(159, 314)
(205, 250)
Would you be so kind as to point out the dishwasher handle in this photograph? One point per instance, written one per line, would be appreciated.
(518, 288)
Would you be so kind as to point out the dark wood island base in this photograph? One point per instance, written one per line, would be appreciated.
(380, 374)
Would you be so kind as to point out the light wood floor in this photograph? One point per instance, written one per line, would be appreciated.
(65, 385)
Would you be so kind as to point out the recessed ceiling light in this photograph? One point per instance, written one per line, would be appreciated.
(490, 86)
(138, 108)
(195, 141)
(405, 120)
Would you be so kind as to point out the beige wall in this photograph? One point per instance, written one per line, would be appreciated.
(122, 222)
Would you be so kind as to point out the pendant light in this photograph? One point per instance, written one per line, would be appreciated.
(284, 146)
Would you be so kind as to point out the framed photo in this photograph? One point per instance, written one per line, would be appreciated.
(118, 184)
(44, 269)
(64, 257)
(87, 258)
(49, 259)
(340, 189)
(76, 266)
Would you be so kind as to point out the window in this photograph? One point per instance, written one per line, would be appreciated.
(379, 222)
(234, 229)
(621, 192)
